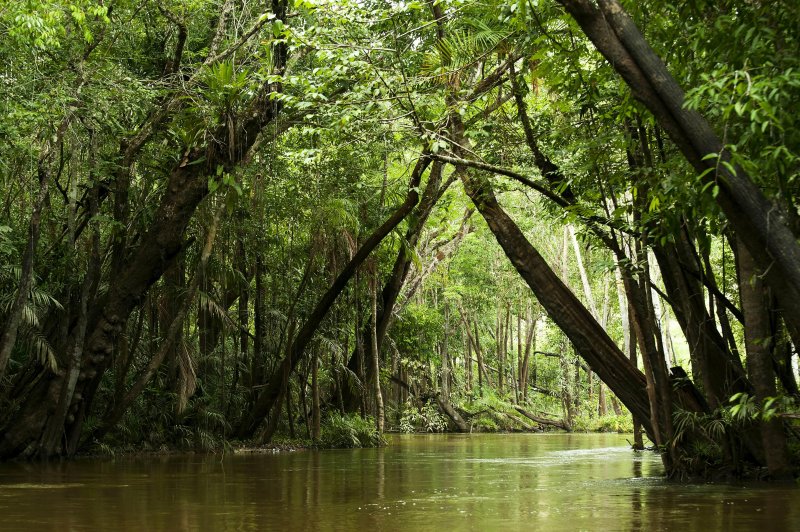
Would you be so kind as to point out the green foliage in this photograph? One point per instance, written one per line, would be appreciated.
(744, 408)
(367, 86)
(422, 419)
(348, 431)
(622, 424)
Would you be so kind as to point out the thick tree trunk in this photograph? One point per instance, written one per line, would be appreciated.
(451, 413)
(712, 363)
(186, 187)
(762, 226)
(159, 246)
(114, 414)
(589, 339)
(759, 342)
(52, 442)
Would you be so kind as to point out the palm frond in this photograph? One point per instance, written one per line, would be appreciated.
(213, 306)
(354, 384)
(37, 345)
(187, 375)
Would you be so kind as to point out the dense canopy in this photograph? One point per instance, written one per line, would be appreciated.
(235, 220)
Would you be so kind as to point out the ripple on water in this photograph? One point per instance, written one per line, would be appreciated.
(29, 486)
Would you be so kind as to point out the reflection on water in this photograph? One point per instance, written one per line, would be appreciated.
(437, 482)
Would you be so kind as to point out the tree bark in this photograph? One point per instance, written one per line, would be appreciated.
(186, 187)
(762, 226)
(759, 343)
(315, 414)
(8, 336)
(375, 356)
(113, 416)
(394, 284)
(590, 341)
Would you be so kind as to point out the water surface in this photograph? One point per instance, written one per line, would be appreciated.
(438, 482)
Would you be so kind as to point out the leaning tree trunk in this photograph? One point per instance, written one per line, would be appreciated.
(397, 278)
(159, 246)
(761, 226)
(113, 415)
(276, 386)
(589, 339)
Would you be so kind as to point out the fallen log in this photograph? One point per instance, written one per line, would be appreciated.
(526, 426)
(451, 413)
(544, 421)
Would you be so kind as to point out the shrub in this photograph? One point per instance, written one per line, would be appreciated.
(349, 431)
(608, 423)
(425, 419)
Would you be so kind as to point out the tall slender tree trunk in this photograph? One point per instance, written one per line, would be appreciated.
(468, 362)
(759, 342)
(315, 413)
(375, 355)
(275, 388)
(590, 341)
(530, 345)
(8, 334)
(445, 354)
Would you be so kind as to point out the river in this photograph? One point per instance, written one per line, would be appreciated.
(442, 483)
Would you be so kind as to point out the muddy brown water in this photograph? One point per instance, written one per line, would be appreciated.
(441, 483)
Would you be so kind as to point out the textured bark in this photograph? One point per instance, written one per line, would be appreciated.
(159, 246)
(589, 339)
(759, 342)
(712, 363)
(652, 358)
(51, 442)
(113, 416)
(762, 226)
